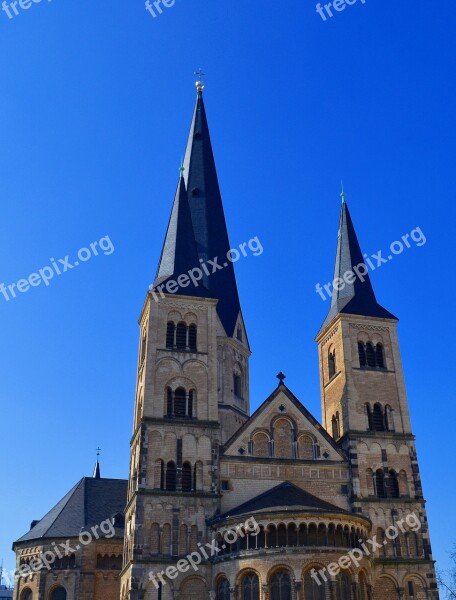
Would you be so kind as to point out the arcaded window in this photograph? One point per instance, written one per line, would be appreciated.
(377, 418)
(362, 355)
(280, 586)
(251, 587)
(379, 356)
(181, 336)
(380, 484)
(171, 476)
(186, 477)
(192, 338)
(393, 485)
(170, 329)
(370, 355)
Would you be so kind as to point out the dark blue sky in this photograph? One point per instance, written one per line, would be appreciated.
(95, 106)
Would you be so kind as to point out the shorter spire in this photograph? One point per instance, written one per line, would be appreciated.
(96, 470)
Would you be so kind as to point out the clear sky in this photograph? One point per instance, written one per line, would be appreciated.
(95, 105)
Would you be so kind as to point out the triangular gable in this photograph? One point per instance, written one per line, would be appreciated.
(283, 402)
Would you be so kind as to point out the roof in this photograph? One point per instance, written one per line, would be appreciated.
(90, 502)
(358, 297)
(285, 495)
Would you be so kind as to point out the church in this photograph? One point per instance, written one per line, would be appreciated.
(337, 503)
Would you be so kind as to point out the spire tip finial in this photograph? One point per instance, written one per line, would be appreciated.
(199, 84)
(343, 195)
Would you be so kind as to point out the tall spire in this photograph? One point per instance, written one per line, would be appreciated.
(179, 253)
(96, 470)
(356, 297)
(207, 215)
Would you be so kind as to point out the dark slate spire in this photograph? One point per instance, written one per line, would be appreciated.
(208, 217)
(179, 253)
(358, 297)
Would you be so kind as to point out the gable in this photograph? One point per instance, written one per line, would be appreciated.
(283, 428)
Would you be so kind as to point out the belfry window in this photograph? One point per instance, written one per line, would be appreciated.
(181, 337)
(170, 331)
(371, 356)
(362, 355)
(59, 594)
(379, 356)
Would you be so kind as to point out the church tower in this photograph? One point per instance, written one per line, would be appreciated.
(192, 389)
(365, 409)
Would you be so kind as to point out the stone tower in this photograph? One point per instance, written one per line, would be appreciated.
(365, 409)
(192, 382)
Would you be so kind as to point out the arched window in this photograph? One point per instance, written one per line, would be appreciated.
(190, 404)
(410, 590)
(332, 363)
(379, 356)
(370, 418)
(179, 403)
(280, 586)
(380, 484)
(370, 355)
(192, 337)
(186, 477)
(169, 402)
(251, 587)
(363, 594)
(393, 485)
(170, 328)
(377, 418)
(171, 476)
(181, 336)
(143, 348)
(362, 355)
(343, 587)
(335, 426)
(59, 594)
(283, 438)
(314, 590)
(223, 590)
(305, 444)
(27, 594)
(281, 536)
(260, 444)
(237, 385)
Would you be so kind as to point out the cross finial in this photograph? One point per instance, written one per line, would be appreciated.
(281, 377)
(199, 84)
(98, 451)
(343, 195)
